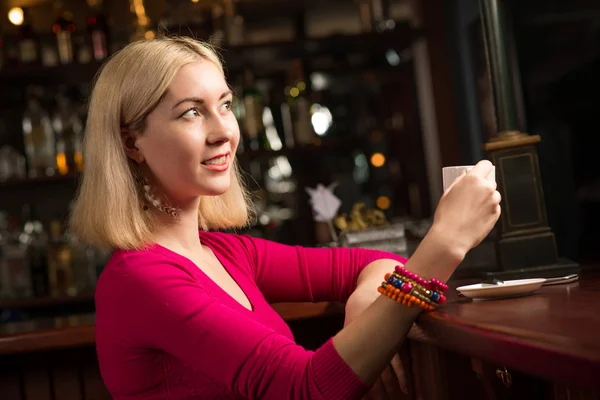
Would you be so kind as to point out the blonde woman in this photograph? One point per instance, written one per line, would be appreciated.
(183, 311)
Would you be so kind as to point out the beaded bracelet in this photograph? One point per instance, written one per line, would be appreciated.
(436, 296)
(408, 288)
(404, 298)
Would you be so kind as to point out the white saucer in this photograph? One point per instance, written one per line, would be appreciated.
(518, 287)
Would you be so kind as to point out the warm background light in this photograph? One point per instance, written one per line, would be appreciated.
(383, 202)
(15, 16)
(377, 160)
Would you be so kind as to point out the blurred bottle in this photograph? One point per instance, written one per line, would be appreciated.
(63, 28)
(60, 270)
(5, 277)
(16, 275)
(82, 264)
(217, 36)
(375, 16)
(38, 136)
(299, 107)
(12, 164)
(234, 24)
(253, 128)
(49, 51)
(28, 42)
(36, 241)
(98, 29)
(68, 129)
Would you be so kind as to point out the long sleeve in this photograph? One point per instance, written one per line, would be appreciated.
(160, 306)
(294, 273)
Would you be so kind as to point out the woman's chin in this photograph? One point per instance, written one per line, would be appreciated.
(214, 190)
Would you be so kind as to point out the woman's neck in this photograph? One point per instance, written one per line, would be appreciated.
(180, 235)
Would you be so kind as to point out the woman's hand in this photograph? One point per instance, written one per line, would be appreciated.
(468, 210)
(392, 384)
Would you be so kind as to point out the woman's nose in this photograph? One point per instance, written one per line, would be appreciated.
(221, 130)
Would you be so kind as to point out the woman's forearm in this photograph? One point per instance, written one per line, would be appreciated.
(370, 341)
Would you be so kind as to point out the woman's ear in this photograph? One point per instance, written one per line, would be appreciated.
(128, 140)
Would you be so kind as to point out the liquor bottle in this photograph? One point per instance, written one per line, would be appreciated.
(68, 129)
(27, 42)
(63, 28)
(83, 264)
(36, 242)
(60, 270)
(217, 12)
(39, 138)
(234, 24)
(5, 275)
(16, 274)
(299, 106)
(98, 30)
(253, 127)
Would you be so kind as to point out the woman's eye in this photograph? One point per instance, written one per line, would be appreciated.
(227, 105)
(191, 113)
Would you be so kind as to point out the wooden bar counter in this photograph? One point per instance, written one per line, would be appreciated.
(543, 346)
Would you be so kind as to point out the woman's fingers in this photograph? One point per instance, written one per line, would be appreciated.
(400, 374)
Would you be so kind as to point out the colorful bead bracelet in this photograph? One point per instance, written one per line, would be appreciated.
(436, 296)
(410, 289)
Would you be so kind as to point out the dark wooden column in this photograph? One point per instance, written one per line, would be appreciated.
(525, 246)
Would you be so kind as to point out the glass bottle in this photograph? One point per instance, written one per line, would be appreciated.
(253, 127)
(63, 28)
(28, 42)
(39, 137)
(98, 30)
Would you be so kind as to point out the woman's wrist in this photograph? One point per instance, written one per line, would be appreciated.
(437, 256)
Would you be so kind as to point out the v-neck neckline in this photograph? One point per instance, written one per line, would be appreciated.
(226, 266)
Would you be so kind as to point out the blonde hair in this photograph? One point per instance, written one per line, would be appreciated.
(108, 210)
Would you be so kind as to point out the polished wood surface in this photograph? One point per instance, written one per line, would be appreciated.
(552, 333)
(78, 330)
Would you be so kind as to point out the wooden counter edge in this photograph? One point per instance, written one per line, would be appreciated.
(563, 362)
(548, 360)
(44, 340)
(84, 335)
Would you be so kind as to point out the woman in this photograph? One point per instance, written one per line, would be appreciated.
(183, 313)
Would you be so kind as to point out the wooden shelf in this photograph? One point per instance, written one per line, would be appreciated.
(44, 302)
(235, 57)
(37, 181)
(40, 75)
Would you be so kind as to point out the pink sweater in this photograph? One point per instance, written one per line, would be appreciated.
(164, 330)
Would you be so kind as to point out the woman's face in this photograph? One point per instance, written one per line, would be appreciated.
(192, 135)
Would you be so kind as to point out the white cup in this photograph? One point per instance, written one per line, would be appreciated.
(449, 174)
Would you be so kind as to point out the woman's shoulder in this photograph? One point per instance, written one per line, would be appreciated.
(234, 245)
(132, 271)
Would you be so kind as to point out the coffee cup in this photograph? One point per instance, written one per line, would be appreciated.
(449, 174)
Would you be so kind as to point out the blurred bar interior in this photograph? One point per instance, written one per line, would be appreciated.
(372, 95)
(369, 97)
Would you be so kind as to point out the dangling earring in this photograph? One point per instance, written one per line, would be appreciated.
(150, 197)
(156, 202)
